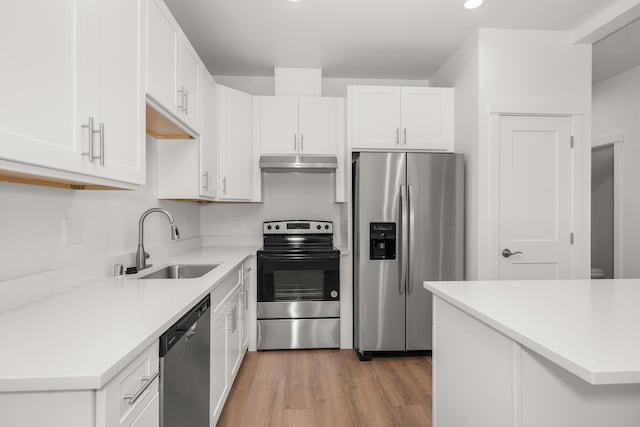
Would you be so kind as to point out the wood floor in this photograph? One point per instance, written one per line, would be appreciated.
(332, 388)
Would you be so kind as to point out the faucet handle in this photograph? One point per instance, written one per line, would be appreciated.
(146, 255)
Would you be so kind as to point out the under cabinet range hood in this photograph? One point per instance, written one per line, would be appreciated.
(299, 163)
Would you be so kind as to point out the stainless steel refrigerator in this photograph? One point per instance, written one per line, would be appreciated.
(408, 227)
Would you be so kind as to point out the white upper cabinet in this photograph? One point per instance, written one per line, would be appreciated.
(173, 67)
(208, 159)
(318, 125)
(427, 118)
(119, 90)
(376, 116)
(189, 76)
(39, 112)
(417, 118)
(187, 168)
(235, 144)
(162, 53)
(72, 65)
(278, 124)
(292, 125)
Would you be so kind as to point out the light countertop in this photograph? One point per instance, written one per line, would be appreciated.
(589, 327)
(81, 338)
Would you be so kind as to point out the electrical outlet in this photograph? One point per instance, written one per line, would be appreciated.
(72, 231)
(235, 221)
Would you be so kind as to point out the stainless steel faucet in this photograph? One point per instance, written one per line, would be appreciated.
(141, 255)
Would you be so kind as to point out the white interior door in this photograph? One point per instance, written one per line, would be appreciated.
(535, 198)
(278, 124)
(318, 121)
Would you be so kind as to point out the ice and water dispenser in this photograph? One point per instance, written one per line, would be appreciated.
(382, 240)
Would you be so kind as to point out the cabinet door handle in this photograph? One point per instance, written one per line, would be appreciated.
(186, 102)
(246, 299)
(181, 98)
(301, 142)
(405, 136)
(89, 153)
(224, 185)
(132, 398)
(205, 184)
(295, 142)
(397, 136)
(101, 156)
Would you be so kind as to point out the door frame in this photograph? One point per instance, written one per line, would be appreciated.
(580, 191)
(617, 141)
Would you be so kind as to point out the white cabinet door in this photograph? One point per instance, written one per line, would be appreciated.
(219, 362)
(150, 416)
(208, 137)
(162, 42)
(189, 86)
(279, 124)
(427, 118)
(44, 78)
(246, 287)
(376, 117)
(235, 145)
(117, 85)
(235, 334)
(318, 125)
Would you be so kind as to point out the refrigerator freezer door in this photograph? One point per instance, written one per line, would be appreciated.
(436, 236)
(380, 304)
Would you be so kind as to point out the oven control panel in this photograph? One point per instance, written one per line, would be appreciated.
(298, 227)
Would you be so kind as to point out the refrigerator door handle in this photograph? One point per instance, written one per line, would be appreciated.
(404, 243)
(411, 239)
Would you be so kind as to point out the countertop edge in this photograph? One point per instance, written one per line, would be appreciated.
(594, 378)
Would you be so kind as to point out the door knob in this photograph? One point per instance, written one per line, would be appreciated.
(507, 253)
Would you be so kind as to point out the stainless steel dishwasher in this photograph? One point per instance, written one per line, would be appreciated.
(184, 369)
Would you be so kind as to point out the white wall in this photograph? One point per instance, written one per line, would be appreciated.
(31, 238)
(616, 109)
(534, 68)
(522, 67)
(286, 196)
(462, 72)
(258, 85)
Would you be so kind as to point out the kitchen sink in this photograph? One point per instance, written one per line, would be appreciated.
(181, 271)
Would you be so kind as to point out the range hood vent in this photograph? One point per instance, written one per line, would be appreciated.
(293, 163)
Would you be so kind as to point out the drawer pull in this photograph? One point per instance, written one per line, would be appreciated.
(132, 398)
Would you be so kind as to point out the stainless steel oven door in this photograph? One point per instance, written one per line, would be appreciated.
(291, 277)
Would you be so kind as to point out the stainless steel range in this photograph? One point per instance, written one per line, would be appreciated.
(298, 286)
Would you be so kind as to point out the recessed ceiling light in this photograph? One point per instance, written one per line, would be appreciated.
(471, 4)
(294, 1)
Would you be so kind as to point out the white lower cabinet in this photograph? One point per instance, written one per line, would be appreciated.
(227, 339)
(150, 416)
(125, 400)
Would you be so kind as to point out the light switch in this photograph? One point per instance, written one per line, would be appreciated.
(72, 231)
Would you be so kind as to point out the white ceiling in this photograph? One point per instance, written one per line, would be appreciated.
(617, 53)
(406, 39)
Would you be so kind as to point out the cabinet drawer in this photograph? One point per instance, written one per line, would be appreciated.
(122, 400)
(222, 291)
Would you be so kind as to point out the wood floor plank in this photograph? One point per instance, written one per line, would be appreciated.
(328, 388)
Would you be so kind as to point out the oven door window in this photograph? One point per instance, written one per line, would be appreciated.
(298, 280)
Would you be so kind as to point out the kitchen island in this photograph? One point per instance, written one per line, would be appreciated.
(536, 353)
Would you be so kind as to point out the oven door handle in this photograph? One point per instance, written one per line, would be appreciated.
(298, 258)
